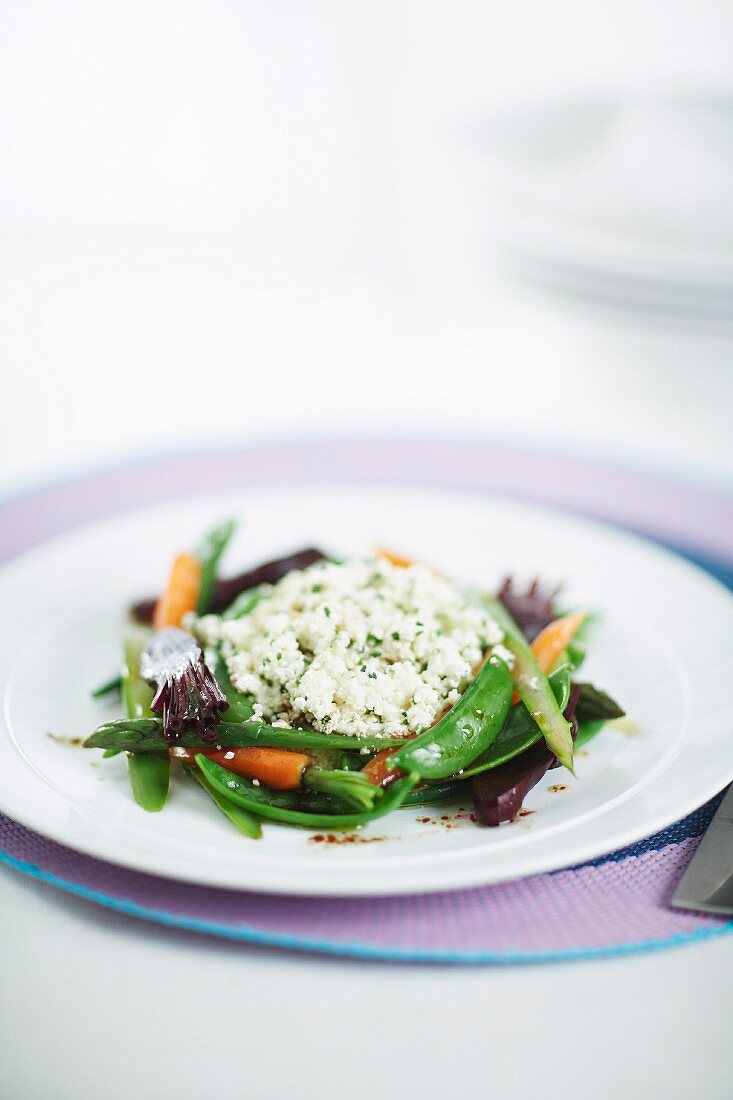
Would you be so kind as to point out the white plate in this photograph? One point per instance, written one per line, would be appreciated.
(663, 647)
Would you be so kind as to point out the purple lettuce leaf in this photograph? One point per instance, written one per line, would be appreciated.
(532, 609)
(498, 794)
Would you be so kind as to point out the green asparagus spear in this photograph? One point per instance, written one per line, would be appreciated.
(149, 773)
(143, 735)
(533, 687)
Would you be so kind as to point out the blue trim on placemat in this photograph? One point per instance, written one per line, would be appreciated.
(691, 826)
(354, 949)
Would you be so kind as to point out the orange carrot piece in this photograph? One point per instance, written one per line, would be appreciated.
(280, 769)
(395, 559)
(551, 642)
(377, 772)
(181, 593)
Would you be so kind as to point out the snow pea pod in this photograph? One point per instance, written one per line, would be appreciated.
(520, 731)
(242, 819)
(465, 731)
(270, 804)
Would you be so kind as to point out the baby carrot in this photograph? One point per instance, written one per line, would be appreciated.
(551, 642)
(394, 559)
(377, 770)
(279, 769)
(181, 593)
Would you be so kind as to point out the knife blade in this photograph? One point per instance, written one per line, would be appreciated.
(707, 884)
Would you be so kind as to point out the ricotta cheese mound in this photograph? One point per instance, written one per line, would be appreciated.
(362, 647)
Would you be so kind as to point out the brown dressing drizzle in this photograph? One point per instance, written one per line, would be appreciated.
(344, 838)
(72, 742)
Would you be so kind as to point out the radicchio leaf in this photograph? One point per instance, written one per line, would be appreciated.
(531, 610)
(187, 694)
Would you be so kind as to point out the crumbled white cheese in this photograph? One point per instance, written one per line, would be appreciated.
(364, 647)
(506, 655)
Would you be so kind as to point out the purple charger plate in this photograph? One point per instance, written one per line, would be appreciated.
(615, 904)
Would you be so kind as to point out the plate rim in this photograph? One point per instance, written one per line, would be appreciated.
(525, 864)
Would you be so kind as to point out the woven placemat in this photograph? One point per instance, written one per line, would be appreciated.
(618, 903)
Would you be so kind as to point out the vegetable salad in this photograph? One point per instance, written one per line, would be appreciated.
(326, 694)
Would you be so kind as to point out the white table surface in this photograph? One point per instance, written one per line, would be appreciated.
(283, 203)
(95, 1004)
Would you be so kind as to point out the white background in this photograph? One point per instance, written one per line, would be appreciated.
(228, 220)
(224, 221)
